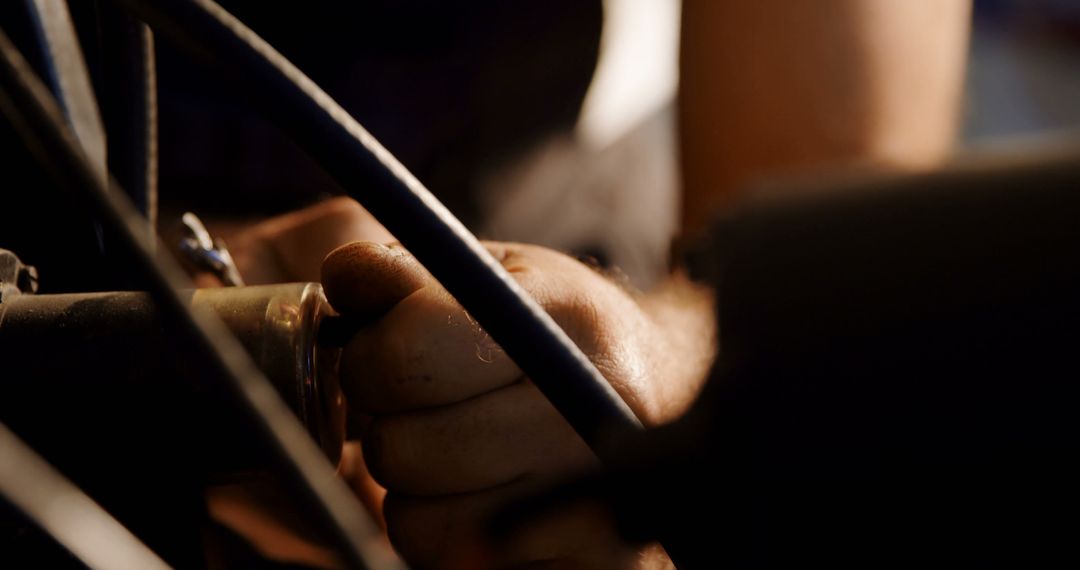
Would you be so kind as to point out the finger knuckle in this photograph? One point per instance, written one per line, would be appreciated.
(579, 315)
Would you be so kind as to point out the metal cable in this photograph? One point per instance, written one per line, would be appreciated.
(371, 175)
(34, 113)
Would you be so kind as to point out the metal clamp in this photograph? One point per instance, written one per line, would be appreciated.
(208, 254)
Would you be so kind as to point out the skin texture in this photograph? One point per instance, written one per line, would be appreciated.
(455, 430)
(448, 423)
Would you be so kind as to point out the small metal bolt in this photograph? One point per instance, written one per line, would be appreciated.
(208, 254)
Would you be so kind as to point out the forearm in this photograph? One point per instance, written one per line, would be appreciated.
(777, 86)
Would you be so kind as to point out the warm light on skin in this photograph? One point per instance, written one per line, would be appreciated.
(781, 87)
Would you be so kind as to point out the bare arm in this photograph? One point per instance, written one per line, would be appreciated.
(778, 86)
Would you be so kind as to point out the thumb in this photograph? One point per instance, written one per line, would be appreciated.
(365, 279)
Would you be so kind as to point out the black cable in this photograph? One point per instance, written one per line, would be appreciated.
(371, 175)
(33, 112)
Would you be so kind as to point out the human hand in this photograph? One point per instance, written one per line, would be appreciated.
(454, 430)
(290, 247)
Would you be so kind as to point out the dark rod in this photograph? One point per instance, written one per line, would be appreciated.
(60, 508)
(34, 113)
(371, 175)
(129, 105)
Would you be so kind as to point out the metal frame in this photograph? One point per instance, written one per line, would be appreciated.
(366, 170)
(38, 119)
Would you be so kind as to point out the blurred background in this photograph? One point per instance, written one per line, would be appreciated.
(1023, 75)
(1023, 82)
(544, 122)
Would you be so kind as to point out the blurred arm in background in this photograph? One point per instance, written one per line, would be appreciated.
(772, 86)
